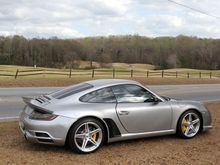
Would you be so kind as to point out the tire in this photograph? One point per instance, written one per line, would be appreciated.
(86, 136)
(189, 124)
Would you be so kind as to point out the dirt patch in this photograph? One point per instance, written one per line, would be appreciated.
(203, 149)
(28, 82)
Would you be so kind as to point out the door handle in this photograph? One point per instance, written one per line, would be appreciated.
(123, 112)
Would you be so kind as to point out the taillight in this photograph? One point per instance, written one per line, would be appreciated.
(42, 116)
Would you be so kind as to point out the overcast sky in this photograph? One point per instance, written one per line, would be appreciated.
(79, 18)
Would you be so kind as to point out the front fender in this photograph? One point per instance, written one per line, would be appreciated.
(179, 107)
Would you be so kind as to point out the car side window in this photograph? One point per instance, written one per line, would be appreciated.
(130, 93)
(104, 95)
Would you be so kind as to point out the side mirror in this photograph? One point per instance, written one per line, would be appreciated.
(155, 99)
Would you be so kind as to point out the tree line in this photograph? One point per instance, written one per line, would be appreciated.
(163, 52)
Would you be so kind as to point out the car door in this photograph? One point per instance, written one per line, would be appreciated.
(139, 111)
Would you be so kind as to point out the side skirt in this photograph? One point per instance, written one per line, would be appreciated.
(129, 136)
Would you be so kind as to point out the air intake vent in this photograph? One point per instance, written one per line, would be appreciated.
(46, 97)
(40, 134)
(40, 101)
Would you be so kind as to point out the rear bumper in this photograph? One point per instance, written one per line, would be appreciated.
(46, 132)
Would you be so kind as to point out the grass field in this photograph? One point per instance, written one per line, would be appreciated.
(52, 81)
(116, 66)
(84, 65)
(41, 76)
(203, 149)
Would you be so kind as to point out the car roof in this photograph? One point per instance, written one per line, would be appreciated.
(107, 82)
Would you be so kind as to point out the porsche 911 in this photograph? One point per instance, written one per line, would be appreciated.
(87, 115)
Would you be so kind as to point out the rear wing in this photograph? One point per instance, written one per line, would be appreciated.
(31, 102)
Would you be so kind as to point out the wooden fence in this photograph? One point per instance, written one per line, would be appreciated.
(107, 73)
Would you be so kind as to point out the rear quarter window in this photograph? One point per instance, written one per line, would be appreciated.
(71, 90)
(104, 95)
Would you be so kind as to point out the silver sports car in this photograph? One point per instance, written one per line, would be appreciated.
(86, 115)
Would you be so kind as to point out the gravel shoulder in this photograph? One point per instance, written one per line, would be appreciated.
(203, 149)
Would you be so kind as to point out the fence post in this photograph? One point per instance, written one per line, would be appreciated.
(16, 74)
(113, 73)
(187, 75)
(162, 73)
(70, 74)
(176, 74)
(200, 75)
(131, 72)
(147, 73)
(93, 73)
(210, 74)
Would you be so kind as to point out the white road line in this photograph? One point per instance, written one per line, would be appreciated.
(209, 101)
(9, 118)
(10, 101)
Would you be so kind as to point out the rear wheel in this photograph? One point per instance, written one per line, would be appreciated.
(86, 136)
(189, 124)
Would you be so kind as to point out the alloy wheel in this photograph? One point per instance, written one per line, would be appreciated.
(190, 124)
(88, 137)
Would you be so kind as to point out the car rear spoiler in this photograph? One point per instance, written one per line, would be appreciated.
(31, 103)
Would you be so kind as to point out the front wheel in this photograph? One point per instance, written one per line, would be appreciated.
(189, 124)
(86, 136)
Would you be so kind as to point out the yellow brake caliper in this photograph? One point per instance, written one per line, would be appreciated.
(94, 137)
(183, 127)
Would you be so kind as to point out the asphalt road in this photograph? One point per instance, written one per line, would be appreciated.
(11, 103)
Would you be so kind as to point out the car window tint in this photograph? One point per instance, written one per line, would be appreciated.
(104, 95)
(131, 93)
(71, 90)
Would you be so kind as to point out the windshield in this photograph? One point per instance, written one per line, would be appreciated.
(71, 90)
